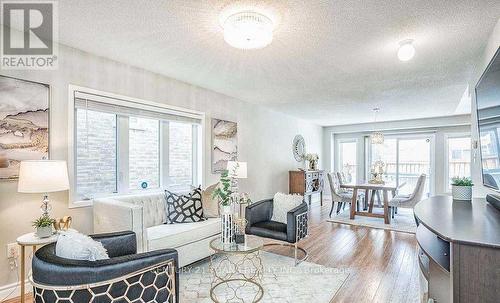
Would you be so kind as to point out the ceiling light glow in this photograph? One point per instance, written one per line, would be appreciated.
(406, 50)
(248, 30)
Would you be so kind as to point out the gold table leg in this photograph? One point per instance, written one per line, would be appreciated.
(221, 278)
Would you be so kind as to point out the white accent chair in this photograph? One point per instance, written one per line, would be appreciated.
(339, 196)
(145, 214)
(409, 201)
(361, 193)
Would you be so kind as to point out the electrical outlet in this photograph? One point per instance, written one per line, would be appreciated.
(12, 251)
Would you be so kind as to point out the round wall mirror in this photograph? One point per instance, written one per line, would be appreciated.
(299, 148)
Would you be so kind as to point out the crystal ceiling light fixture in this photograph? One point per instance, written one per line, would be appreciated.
(376, 137)
(248, 30)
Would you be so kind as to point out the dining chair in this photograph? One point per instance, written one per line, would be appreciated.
(361, 195)
(338, 195)
(408, 201)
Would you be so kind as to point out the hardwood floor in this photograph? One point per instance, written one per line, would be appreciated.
(382, 265)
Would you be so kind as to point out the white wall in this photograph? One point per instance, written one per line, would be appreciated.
(438, 127)
(265, 137)
(489, 51)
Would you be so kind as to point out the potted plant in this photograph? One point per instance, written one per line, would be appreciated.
(461, 188)
(224, 193)
(43, 226)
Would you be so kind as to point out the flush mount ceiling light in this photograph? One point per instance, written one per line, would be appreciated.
(406, 50)
(248, 30)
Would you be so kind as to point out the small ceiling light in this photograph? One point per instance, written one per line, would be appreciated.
(406, 50)
(248, 30)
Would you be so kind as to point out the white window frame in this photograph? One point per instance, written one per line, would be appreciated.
(199, 141)
(339, 156)
(447, 188)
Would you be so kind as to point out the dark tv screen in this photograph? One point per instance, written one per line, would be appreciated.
(488, 113)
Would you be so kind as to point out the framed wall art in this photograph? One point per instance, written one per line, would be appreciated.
(224, 144)
(24, 124)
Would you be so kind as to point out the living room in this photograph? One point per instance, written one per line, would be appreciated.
(309, 136)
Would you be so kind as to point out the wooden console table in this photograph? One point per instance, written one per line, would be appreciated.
(459, 244)
(307, 183)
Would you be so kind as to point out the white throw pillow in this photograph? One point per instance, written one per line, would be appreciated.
(76, 246)
(283, 203)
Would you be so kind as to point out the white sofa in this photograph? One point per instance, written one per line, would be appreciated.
(145, 214)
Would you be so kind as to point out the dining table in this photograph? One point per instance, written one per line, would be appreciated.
(370, 191)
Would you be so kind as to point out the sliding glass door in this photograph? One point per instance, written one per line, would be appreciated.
(405, 159)
(414, 159)
(387, 153)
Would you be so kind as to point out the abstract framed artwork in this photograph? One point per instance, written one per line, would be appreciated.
(24, 124)
(224, 144)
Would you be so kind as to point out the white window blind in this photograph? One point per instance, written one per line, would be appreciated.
(130, 108)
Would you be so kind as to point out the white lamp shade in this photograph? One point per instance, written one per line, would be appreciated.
(237, 169)
(43, 176)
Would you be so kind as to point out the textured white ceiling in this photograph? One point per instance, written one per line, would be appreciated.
(331, 62)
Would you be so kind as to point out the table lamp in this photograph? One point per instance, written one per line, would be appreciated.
(43, 176)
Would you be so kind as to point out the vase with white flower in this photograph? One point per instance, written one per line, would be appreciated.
(313, 161)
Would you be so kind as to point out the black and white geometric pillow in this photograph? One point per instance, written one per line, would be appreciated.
(184, 208)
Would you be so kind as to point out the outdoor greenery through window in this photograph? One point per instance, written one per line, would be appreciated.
(122, 149)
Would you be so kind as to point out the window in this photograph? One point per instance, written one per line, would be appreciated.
(95, 152)
(347, 160)
(144, 152)
(405, 158)
(459, 155)
(121, 146)
(181, 155)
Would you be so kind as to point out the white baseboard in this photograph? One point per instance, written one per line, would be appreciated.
(5, 290)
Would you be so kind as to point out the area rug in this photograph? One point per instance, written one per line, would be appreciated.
(281, 280)
(403, 221)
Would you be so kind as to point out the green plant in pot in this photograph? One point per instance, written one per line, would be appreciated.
(223, 192)
(43, 226)
(461, 188)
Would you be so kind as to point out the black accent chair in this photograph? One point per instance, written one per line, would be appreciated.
(259, 223)
(126, 276)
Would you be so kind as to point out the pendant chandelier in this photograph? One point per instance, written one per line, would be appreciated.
(376, 137)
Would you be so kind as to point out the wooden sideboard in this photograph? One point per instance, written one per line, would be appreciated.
(306, 183)
(459, 250)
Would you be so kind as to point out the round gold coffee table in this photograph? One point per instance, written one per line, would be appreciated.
(236, 271)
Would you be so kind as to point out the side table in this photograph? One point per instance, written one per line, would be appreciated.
(236, 271)
(30, 239)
